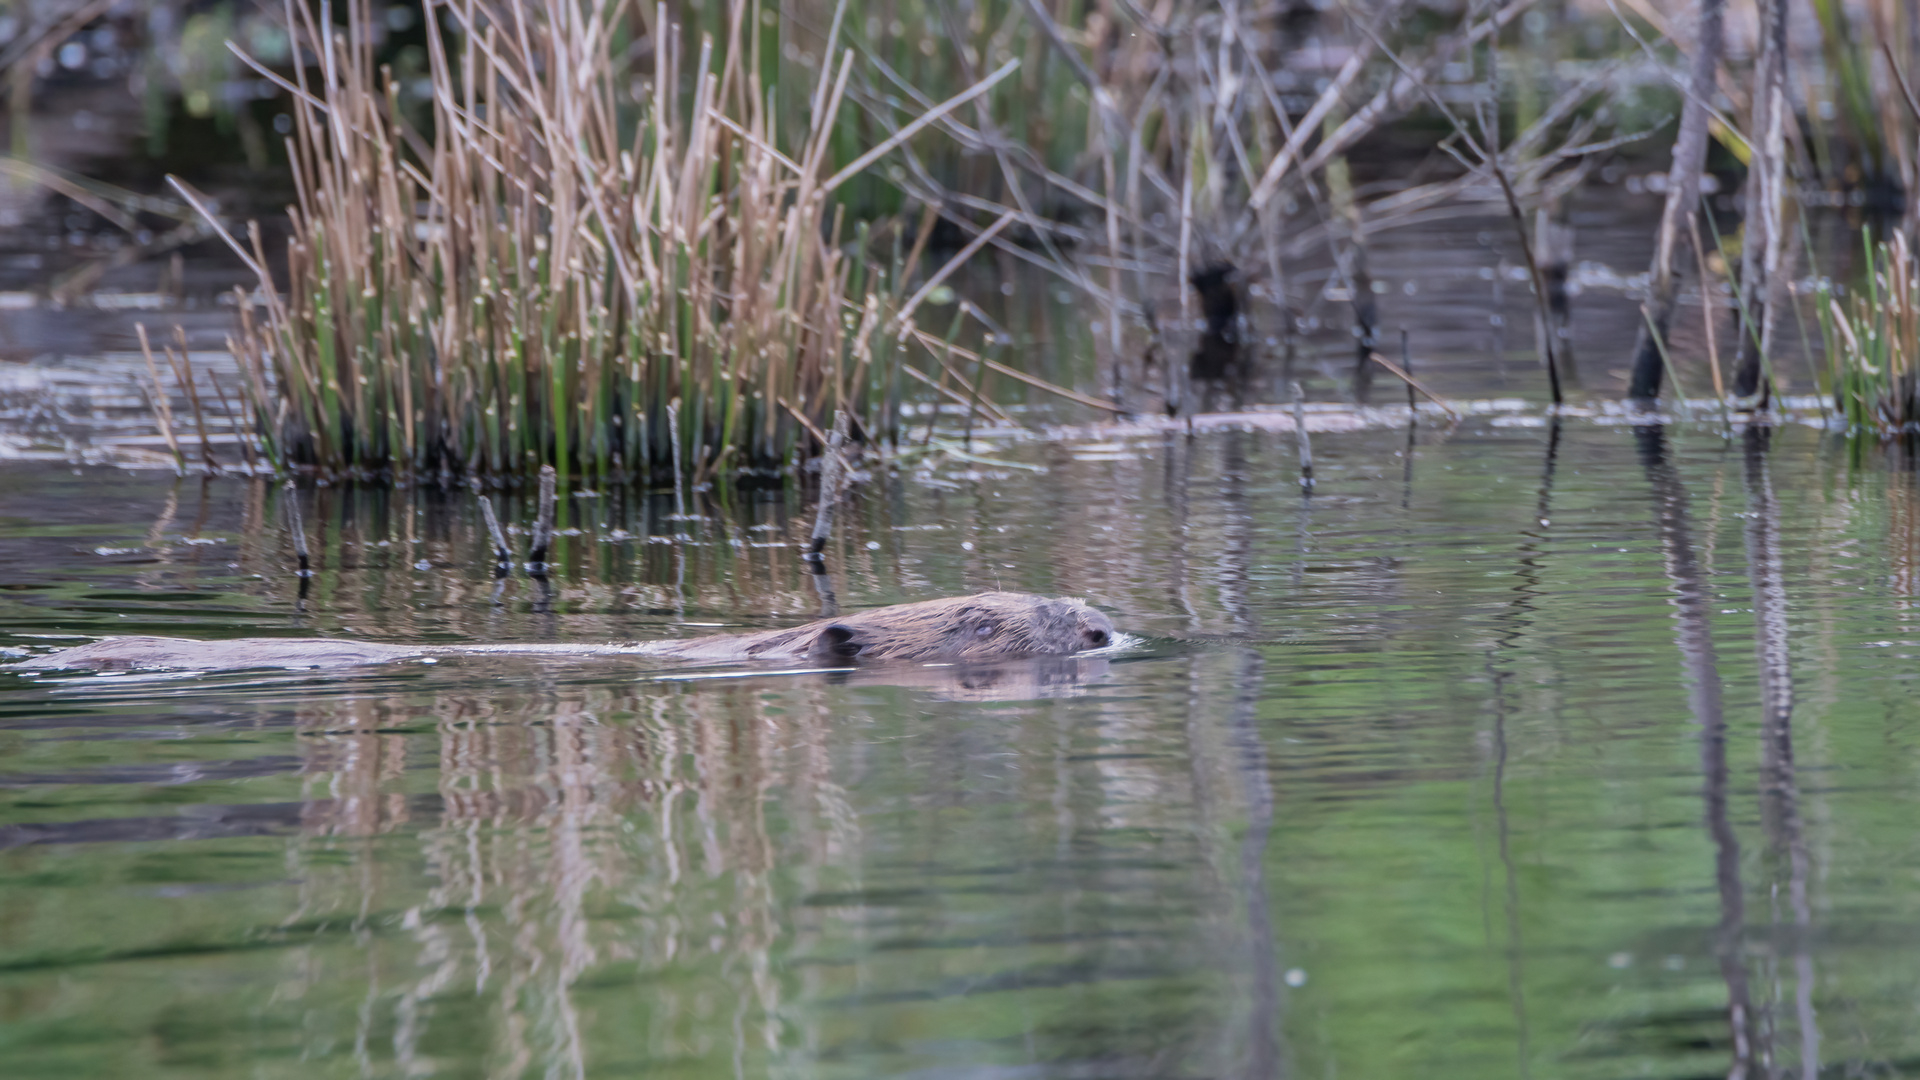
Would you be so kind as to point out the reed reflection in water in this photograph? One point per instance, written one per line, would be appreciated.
(1556, 751)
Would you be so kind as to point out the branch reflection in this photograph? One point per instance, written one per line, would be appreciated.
(1693, 635)
(1779, 793)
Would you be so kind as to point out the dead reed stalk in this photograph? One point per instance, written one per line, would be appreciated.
(535, 278)
(832, 469)
(296, 528)
(502, 553)
(540, 544)
(1302, 441)
(1683, 201)
(1766, 196)
(162, 406)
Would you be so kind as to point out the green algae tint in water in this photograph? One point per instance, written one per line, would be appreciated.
(1491, 762)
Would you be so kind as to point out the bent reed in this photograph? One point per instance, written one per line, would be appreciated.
(578, 262)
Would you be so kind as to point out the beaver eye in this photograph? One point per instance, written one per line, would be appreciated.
(1097, 638)
(983, 630)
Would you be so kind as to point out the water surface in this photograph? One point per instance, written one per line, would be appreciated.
(1515, 753)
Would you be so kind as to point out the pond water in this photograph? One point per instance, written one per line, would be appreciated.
(1508, 752)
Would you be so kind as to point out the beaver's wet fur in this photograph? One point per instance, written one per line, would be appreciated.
(989, 626)
(959, 629)
(186, 654)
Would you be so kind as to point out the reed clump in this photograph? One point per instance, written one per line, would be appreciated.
(579, 260)
(1872, 342)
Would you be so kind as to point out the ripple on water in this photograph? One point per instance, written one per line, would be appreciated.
(1456, 761)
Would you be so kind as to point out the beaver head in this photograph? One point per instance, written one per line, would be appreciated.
(989, 626)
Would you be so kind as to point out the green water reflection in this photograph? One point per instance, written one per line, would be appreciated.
(1590, 755)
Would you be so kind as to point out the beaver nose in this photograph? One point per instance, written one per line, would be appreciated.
(1096, 639)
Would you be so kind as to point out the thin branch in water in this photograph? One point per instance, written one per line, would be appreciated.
(542, 540)
(1301, 439)
(1763, 247)
(1406, 367)
(832, 472)
(296, 528)
(673, 435)
(502, 552)
(1413, 384)
(1681, 208)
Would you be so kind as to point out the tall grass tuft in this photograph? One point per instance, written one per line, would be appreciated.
(1872, 341)
(565, 254)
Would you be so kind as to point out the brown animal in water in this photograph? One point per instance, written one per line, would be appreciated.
(988, 626)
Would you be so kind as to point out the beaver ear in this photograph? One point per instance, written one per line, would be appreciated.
(836, 642)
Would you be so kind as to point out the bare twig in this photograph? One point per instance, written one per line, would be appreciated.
(860, 163)
(543, 522)
(182, 368)
(1399, 91)
(1034, 381)
(940, 276)
(502, 552)
(1413, 384)
(162, 407)
(296, 527)
(1761, 252)
(39, 40)
(1683, 200)
(832, 471)
(673, 433)
(1302, 441)
(1406, 366)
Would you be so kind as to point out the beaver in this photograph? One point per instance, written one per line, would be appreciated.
(957, 629)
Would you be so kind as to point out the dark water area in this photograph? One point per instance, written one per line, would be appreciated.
(1585, 754)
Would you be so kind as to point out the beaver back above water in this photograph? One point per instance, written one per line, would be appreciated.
(988, 626)
(236, 654)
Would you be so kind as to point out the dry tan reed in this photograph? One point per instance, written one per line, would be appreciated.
(563, 254)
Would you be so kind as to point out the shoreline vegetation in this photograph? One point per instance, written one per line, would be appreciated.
(553, 276)
(638, 241)
(553, 266)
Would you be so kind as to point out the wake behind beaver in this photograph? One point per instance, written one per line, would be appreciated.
(958, 629)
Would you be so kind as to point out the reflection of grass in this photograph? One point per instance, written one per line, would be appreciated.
(1872, 341)
(605, 274)
(665, 829)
